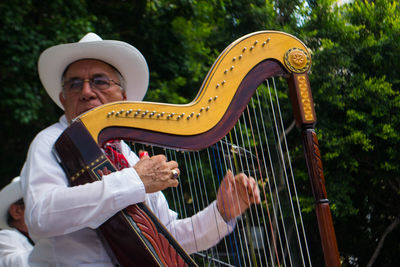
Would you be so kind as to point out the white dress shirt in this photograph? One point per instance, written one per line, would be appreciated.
(61, 219)
(14, 248)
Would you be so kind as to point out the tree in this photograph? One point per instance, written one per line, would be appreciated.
(28, 27)
(357, 96)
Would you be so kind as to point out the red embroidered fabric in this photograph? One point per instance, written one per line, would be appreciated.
(113, 151)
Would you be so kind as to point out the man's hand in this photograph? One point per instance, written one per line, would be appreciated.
(236, 194)
(104, 171)
(156, 172)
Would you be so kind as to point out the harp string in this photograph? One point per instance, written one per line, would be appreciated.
(211, 251)
(247, 144)
(291, 185)
(261, 181)
(296, 202)
(256, 210)
(259, 170)
(271, 234)
(247, 236)
(279, 180)
(234, 198)
(223, 167)
(215, 190)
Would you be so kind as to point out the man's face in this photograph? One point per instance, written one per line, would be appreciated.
(76, 102)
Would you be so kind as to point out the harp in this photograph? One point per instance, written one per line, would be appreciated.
(224, 127)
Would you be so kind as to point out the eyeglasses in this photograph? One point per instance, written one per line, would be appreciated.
(98, 82)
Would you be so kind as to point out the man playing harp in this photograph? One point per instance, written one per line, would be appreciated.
(61, 219)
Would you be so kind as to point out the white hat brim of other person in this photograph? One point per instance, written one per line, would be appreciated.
(9, 195)
(122, 56)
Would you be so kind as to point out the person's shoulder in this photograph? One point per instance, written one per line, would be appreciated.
(10, 233)
(52, 132)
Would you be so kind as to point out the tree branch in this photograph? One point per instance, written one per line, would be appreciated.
(390, 228)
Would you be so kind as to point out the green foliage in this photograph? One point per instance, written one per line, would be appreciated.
(356, 56)
(28, 27)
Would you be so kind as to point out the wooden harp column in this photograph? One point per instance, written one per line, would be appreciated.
(223, 97)
(305, 117)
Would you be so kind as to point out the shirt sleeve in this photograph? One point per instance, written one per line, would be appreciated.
(53, 208)
(12, 250)
(196, 233)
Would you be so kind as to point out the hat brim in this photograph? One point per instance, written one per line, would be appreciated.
(9, 195)
(122, 56)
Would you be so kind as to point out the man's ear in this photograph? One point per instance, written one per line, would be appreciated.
(124, 95)
(16, 211)
(62, 99)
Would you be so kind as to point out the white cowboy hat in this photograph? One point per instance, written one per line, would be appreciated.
(122, 56)
(8, 195)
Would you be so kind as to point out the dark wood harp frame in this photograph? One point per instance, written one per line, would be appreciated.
(225, 92)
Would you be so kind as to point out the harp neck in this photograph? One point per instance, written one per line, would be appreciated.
(217, 92)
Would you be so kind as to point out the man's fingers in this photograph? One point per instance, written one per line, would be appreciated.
(143, 154)
(172, 164)
(173, 182)
(254, 191)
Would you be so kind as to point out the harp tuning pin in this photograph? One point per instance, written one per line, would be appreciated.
(198, 115)
(225, 71)
(223, 82)
(210, 99)
(217, 85)
(191, 114)
(232, 67)
(109, 114)
(207, 108)
(240, 56)
(234, 59)
(158, 116)
(244, 49)
(215, 97)
(256, 42)
(201, 109)
(252, 47)
(162, 114)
